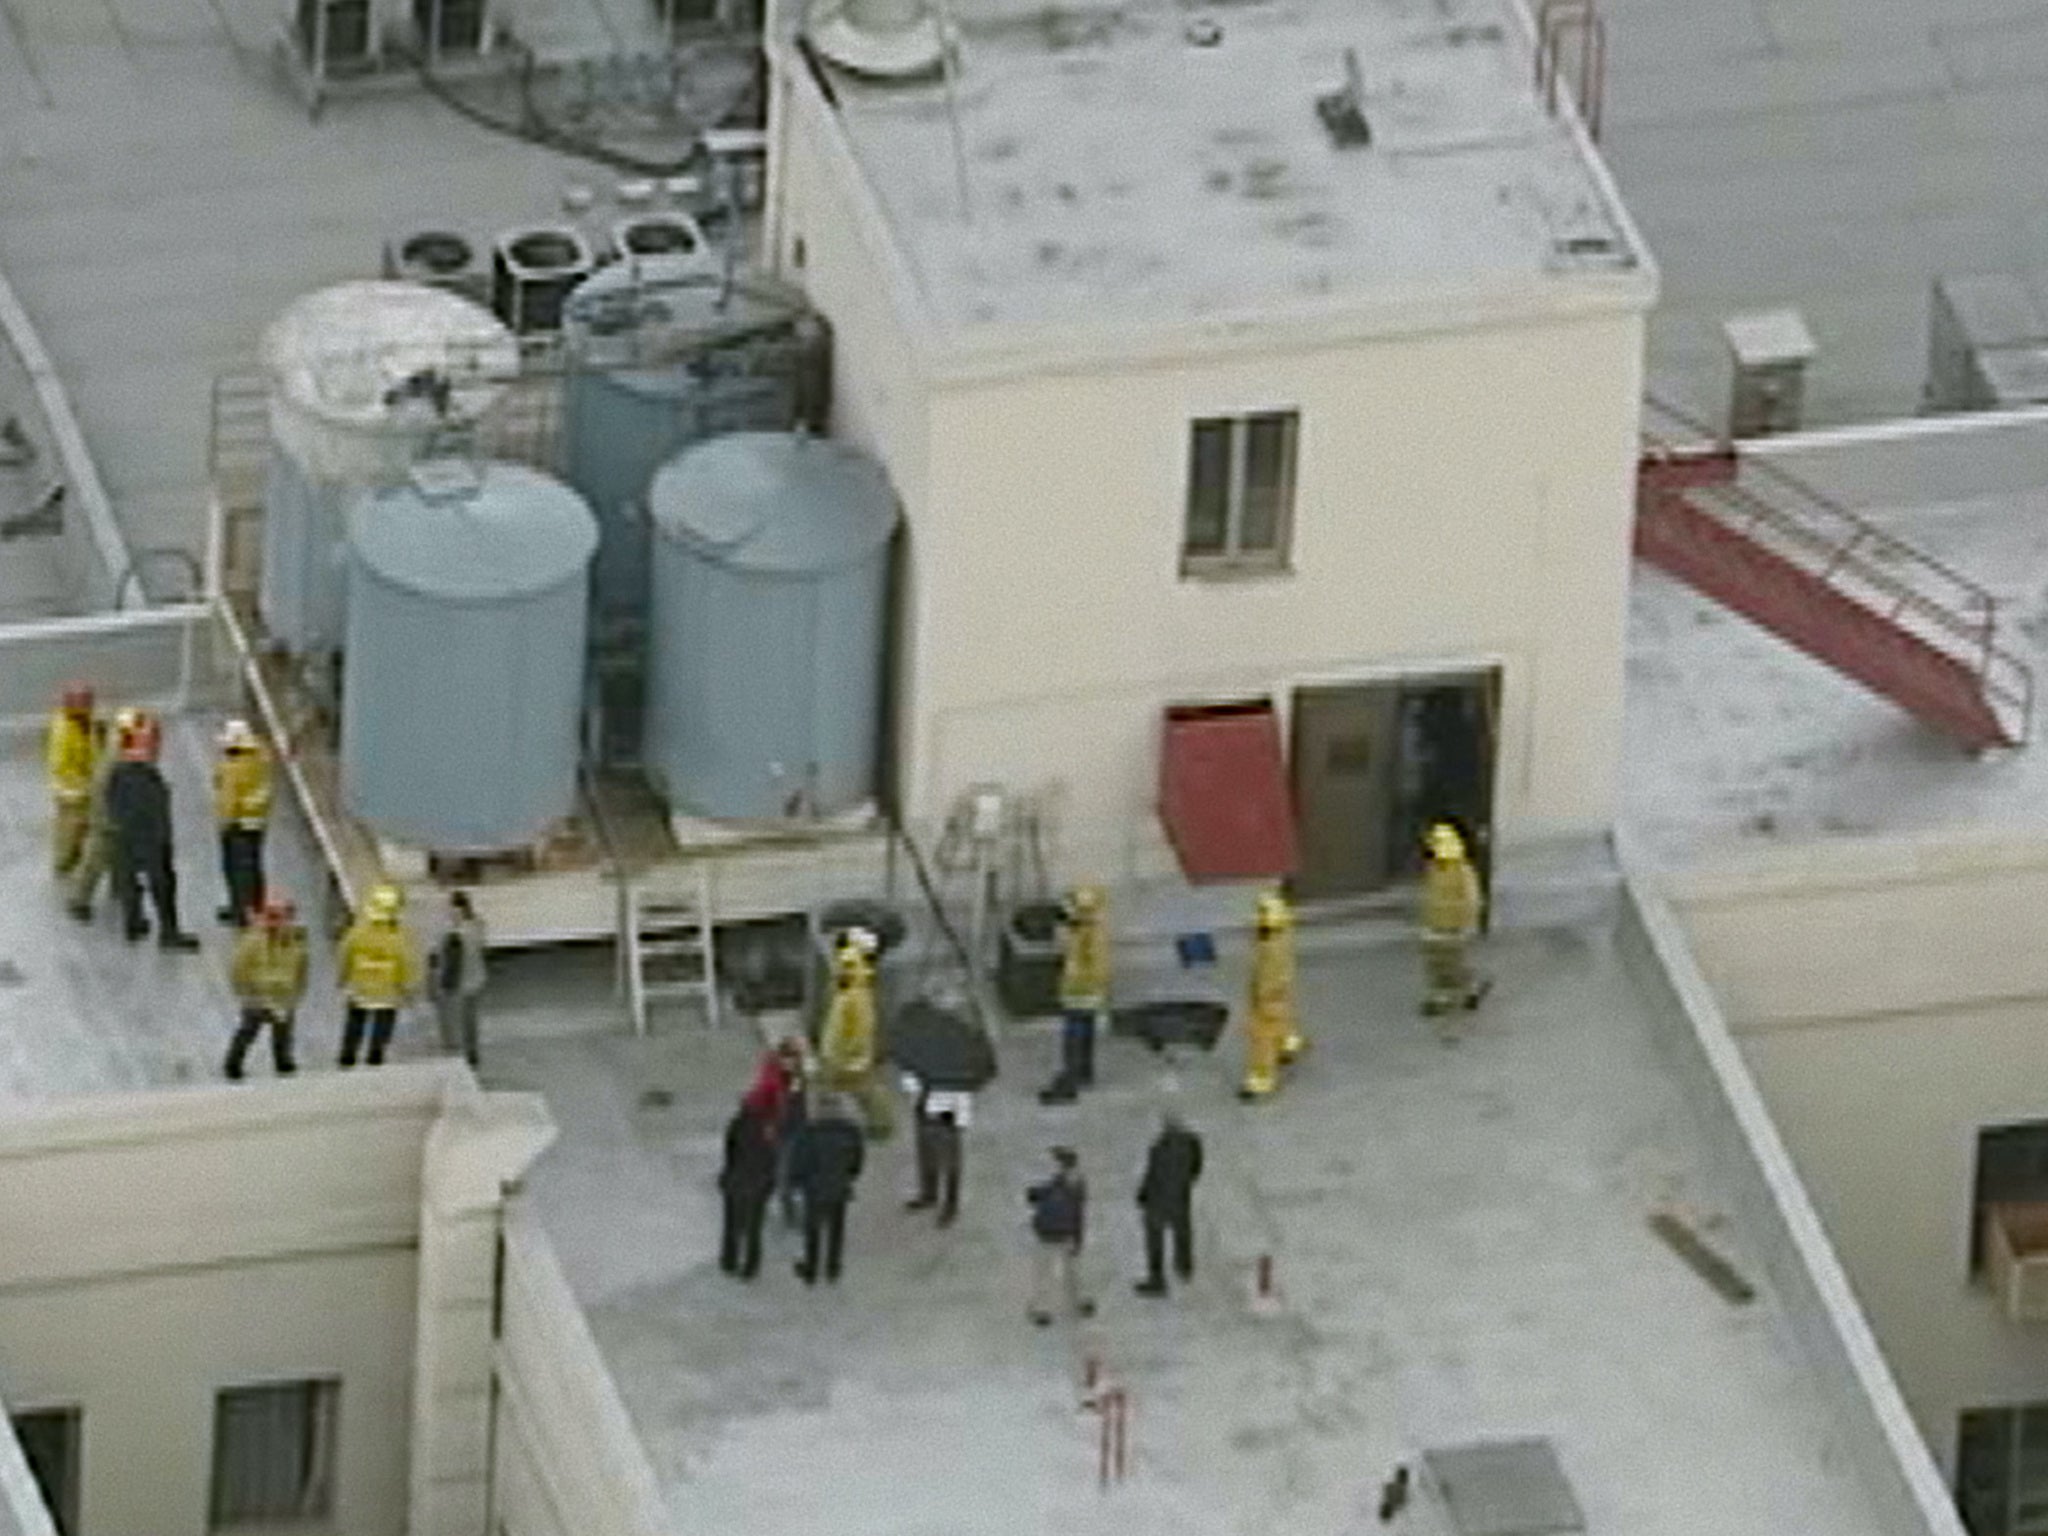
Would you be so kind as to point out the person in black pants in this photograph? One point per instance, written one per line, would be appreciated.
(938, 1156)
(746, 1181)
(825, 1162)
(1166, 1197)
(139, 812)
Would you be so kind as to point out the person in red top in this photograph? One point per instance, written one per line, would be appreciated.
(777, 1095)
(773, 1083)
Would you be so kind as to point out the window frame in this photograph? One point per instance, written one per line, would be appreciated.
(1233, 560)
(323, 1431)
(62, 1502)
(2011, 1422)
(2032, 1136)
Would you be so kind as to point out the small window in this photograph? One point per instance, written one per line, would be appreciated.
(2012, 1169)
(1240, 493)
(52, 1440)
(2002, 1470)
(273, 1454)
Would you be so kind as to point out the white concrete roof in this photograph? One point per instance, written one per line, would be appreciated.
(1111, 161)
(1460, 1250)
(1735, 738)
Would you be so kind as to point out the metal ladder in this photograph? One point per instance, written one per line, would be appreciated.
(670, 950)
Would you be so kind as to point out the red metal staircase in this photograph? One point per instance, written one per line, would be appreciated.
(1765, 545)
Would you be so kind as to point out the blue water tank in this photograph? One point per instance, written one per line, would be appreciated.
(659, 358)
(468, 591)
(771, 575)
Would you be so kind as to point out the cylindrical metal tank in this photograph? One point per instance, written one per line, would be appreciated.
(659, 359)
(462, 688)
(356, 397)
(771, 572)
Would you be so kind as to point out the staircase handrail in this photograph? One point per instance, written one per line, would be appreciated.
(1970, 616)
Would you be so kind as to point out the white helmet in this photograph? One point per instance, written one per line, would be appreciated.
(237, 734)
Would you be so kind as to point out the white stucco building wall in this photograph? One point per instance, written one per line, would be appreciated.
(163, 1247)
(1888, 996)
(1463, 499)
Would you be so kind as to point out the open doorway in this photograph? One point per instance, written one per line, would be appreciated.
(1373, 764)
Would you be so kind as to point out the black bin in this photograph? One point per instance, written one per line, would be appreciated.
(1029, 961)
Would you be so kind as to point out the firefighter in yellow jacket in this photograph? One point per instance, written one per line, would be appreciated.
(241, 807)
(1084, 991)
(846, 1044)
(1272, 1031)
(97, 854)
(1451, 909)
(379, 970)
(75, 746)
(270, 980)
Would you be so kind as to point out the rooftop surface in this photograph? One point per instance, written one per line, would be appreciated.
(1735, 738)
(1460, 1252)
(167, 196)
(83, 1011)
(1111, 158)
(1833, 155)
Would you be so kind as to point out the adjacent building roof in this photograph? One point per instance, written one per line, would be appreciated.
(1177, 165)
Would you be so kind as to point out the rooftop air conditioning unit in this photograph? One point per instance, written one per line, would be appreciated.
(438, 258)
(334, 36)
(1771, 353)
(664, 245)
(532, 273)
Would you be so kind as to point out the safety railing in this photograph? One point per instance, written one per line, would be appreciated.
(1877, 569)
(158, 658)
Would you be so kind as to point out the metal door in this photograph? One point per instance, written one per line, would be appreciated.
(1345, 749)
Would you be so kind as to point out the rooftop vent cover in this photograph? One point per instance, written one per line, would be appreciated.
(1343, 110)
(884, 39)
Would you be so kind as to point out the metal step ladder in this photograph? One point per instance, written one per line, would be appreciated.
(670, 949)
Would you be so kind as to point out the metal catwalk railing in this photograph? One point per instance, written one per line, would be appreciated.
(1882, 573)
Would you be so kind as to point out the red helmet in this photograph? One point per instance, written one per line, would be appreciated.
(78, 698)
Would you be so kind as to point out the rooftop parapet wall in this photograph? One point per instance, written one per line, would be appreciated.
(1856, 929)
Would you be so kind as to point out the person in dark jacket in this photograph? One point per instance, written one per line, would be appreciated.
(1165, 1197)
(825, 1161)
(938, 1154)
(1059, 1222)
(746, 1181)
(139, 812)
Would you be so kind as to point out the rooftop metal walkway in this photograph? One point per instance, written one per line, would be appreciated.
(1813, 573)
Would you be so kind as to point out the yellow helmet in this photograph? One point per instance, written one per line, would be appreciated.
(1085, 900)
(1444, 843)
(384, 904)
(1274, 912)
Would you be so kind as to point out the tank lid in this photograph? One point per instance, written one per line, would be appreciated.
(775, 501)
(356, 353)
(683, 298)
(472, 536)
